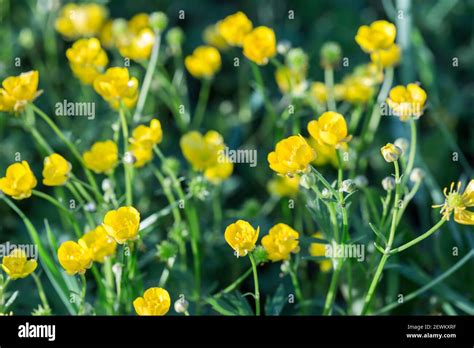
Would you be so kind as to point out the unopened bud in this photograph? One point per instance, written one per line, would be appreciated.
(307, 180)
(403, 144)
(330, 54)
(391, 152)
(361, 181)
(158, 21)
(388, 183)
(181, 305)
(416, 175)
(348, 186)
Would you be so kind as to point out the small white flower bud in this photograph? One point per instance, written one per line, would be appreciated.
(416, 175)
(403, 144)
(361, 181)
(181, 305)
(388, 183)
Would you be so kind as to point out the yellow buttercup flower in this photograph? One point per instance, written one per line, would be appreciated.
(241, 237)
(204, 62)
(390, 152)
(17, 266)
(19, 181)
(318, 249)
(56, 170)
(142, 154)
(116, 87)
(74, 257)
(122, 224)
(292, 156)
(17, 91)
(330, 129)
(137, 46)
(319, 92)
(80, 20)
(205, 153)
(291, 80)
(326, 153)
(155, 301)
(260, 45)
(280, 241)
(387, 58)
(458, 203)
(138, 22)
(407, 101)
(106, 36)
(357, 89)
(380, 35)
(213, 37)
(100, 244)
(234, 28)
(148, 135)
(102, 157)
(284, 186)
(87, 59)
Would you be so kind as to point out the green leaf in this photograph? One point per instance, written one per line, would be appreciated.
(230, 304)
(275, 304)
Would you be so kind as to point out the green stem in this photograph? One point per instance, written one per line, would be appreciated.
(332, 290)
(268, 122)
(71, 147)
(235, 284)
(419, 238)
(83, 295)
(148, 78)
(202, 103)
(3, 289)
(126, 166)
(41, 292)
(411, 156)
(385, 256)
(329, 82)
(296, 284)
(255, 281)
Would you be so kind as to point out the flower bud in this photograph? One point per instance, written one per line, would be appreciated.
(348, 186)
(297, 59)
(175, 37)
(307, 180)
(158, 21)
(416, 175)
(181, 305)
(403, 144)
(26, 38)
(330, 54)
(90, 207)
(106, 185)
(166, 250)
(170, 164)
(260, 255)
(198, 188)
(390, 152)
(285, 266)
(326, 193)
(388, 183)
(361, 181)
(283, 46)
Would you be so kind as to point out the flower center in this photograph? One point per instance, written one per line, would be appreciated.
(454, 200)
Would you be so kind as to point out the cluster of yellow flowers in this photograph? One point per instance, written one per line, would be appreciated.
(79, 20)
(205, 153)
(19, 180)
(119, 226)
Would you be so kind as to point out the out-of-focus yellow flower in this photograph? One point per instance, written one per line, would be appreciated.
(122, 224)
(87, 59)
(102, 157)
(260, 45)
(116, 86)
(326, 153)
(407, 101)
(205, 153)
(19, 181)
(318, 249)
(330, 129)
(290, 80)
(148, 135)
(213, 37)
(284, 186)
(136, 46)
(155, 301)
(75, 20)
(241, 237)
(56, 170)
(387, 58)
(357, 90)
(17, 91)
(390, 152)
(292, 156)
(100, 244)
(380, 35)
(106, 36)
(142, 154)
(280, 241)
(458, 203)
(75, 257)
(319, 92)
(204, 62)
(16, 265)
(234, 28)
